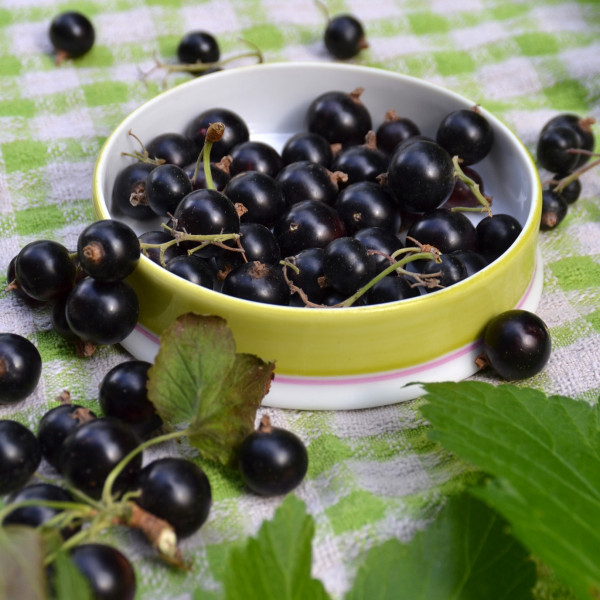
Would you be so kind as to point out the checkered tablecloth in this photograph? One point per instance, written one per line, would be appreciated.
(373, 473)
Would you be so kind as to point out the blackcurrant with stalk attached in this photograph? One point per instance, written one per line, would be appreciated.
(198, 46)
(166, 185)
(72, 35)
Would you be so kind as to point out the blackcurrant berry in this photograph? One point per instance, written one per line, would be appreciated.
(305, 180)
(192, 268)
(445, 230)
(553, 149)
(129, 192)
(308, 224)
(206, 212)
(466, 133)
(160, 236)
(360, 163)
(72, 34)
(107, 570)
(102, 312)
(451, 270)
(45, 270)
(20, 455)
(259, 244)
(462, 195)
(367, 204)
(306, 145)
(554, 210)
(347, 265)
(166, 186)
(391, 289)
(174, 148)
(393, 131)
(582, 129)
(257, 282)
(108, 250)
(339, 117)
(198, 46)
(176, 490)
(20, 368)
(255, 156)
(123, 395)
(272, 460)
(472, 261)
(382, 242)
(93, 449)
(218, 171)
(309, 277)
(420, 175)
(54, 427)
(496, 234)
(37, 514)
(236, 130)
(571, 192)
(344, 36)
(260, 195)
(517, 344)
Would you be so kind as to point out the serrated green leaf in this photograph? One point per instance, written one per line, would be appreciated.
(22, 573)
(544, 454)
(68, 581)
(199, 382)
(465, 554)
(276, 564)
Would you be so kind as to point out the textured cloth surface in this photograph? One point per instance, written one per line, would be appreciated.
(373, 473)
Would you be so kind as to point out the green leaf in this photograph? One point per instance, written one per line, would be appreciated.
(276, 564)
(544, 454)
(465, 554)
(200, 383)
(22, 572)
(68, 580)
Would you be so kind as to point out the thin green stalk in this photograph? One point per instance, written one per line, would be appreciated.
(474, 187)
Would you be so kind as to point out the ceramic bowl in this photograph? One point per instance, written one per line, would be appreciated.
(352, 357)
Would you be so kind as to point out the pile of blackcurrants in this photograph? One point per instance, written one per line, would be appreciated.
(342, 215)
(564, 148)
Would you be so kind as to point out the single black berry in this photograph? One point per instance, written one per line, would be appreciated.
(20, 455)
(344, 36)
(466, 133)
(72, 34)
(20, 368)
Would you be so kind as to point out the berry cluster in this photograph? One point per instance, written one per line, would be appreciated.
(564, 148)
(103, 481)
(90, 281)
(327, 219)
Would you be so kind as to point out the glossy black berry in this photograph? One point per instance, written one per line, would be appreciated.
(93, 449)
(582, 127)
(462, 195)
(308, 224)
(260, 195)
(347, 265)
(123, 394)
(517, 344)
(129, 192)
(360, 163)
(20, 455)
(107, 570)
(206, 212)
(420, 175)
(344, 36)
(391, 289)
(554, 210)
(108, 250)
(393, 131)
(272, 460)
(382, 242)
(309, 275)
(553, 149)
(166, 186)
(257, 282)
(496, 234)
(174, 148)
(56, 425)
(45, 270)
(472, 260)
(307, 145)
(102, 312)
(571, 192)
(255, 156)
(367, 204)
(466, 133)
(445, 230)
(198, 46)
(451, 270)
(37, 514)
(20, 368)
(218, 171)
(192, 268)
(176, 490)
(339, 117)
(305, 180)
(259, 244)
(72, 34)
(236, 131)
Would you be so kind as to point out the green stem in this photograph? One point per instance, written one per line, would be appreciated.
(474, 187)
(210, 184)
(393, 267)
(107, 497)
(565, 181)
(60, 505)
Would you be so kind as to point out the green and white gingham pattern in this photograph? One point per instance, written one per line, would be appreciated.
(373, 473)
